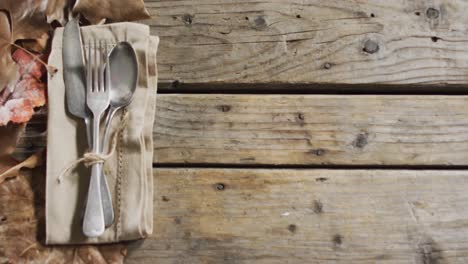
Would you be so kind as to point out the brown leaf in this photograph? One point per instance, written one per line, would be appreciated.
(17, 103)
(32, 162)
(28, 18)
(24, 22)
(8, 72)
(20, 20)
(114, 10)
(56, 11)
(22, 219)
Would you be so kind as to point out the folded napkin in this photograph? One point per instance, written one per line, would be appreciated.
(128, 170)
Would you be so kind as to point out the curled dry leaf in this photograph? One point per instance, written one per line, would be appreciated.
(24, 20)
(30, 163)
(28, 18)
(22, 219)
(8, 71)
(114, 10)
(27, 22)
(56, 11)
(17, 103)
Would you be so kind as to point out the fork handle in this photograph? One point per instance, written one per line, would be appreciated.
(93, 223)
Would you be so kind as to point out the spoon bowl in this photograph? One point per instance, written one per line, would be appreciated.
(124, 74)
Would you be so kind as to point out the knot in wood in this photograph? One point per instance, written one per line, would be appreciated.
(187, 18)
(260, 22)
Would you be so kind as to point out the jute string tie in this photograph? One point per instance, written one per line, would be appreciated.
(91, 158)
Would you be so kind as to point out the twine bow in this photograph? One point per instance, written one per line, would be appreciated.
(91, 158)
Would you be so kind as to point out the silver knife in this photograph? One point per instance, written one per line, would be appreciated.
(74, 78)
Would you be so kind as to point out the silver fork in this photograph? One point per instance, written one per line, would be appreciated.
(97, 99)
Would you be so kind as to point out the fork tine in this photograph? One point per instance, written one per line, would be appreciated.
(101, 68)
(96, 68)
(107, 71)
(89, 77)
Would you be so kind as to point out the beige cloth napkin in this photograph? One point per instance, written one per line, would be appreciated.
(129, 170)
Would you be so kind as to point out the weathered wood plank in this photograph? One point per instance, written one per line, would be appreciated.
(312, 129)
(307, 216)
(305, 130)
(311, 41)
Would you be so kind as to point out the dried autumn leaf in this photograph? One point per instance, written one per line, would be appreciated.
(18, 102)
(32, 162)
(24, 20)
(56, 11)
(22, 216)
(16, 111)
(8, 72)
(28, 18)
(115, 10)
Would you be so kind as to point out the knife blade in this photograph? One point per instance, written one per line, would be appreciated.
(75, 96)
(73, 70)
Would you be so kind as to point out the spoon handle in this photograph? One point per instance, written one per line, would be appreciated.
(105, 192)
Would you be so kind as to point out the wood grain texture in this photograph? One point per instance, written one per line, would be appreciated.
(303, 130)
(420, 42)
(307, 216)
(312, 129)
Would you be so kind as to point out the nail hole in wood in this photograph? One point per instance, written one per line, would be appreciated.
(327, 65)
(188, 19)
(300, 116)
(220, 186)
(337, 239)
(224, 108)
(292, 228)
(318, 207)
(361, 140)
(318, 152)
(371, 47)
(432, 13)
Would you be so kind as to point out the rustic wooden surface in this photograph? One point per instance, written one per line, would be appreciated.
(307, 216)
(304, 130)
(324, 42)
(268, 212)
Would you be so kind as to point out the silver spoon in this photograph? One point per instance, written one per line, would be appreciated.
(124, 75)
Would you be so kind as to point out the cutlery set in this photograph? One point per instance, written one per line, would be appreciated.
(108, 86)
